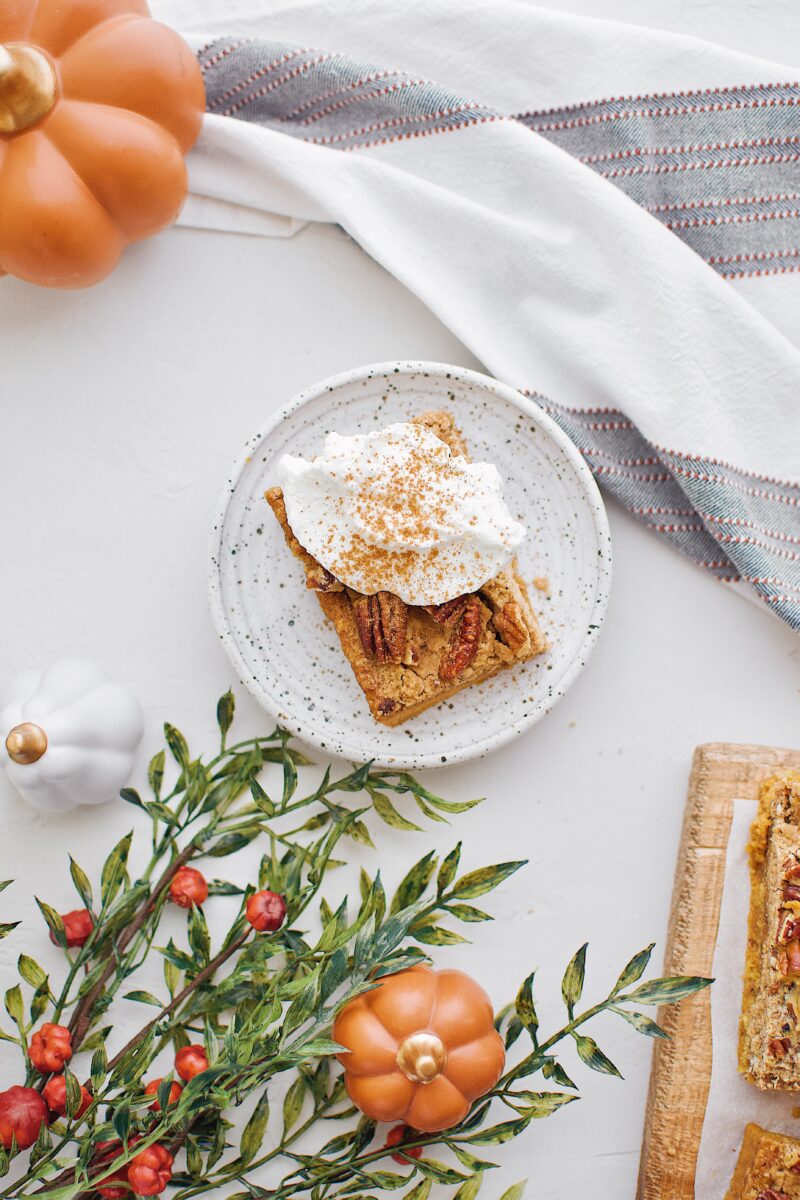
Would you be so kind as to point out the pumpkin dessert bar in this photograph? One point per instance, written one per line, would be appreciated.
(769, 1030)
(407, 658)
(768, 1167)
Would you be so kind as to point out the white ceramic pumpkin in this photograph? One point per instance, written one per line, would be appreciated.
(70, 734)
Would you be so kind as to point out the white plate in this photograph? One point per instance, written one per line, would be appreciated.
(287, 654)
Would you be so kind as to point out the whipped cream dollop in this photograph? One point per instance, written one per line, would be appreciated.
(396, 511)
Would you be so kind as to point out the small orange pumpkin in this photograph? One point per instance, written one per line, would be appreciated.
(422, 1046)
(98, 105)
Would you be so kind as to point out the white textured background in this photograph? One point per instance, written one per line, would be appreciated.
(122, 408)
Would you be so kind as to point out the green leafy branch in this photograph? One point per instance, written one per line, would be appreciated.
(262, 1005)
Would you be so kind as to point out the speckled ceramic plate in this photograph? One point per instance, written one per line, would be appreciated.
(287, 654)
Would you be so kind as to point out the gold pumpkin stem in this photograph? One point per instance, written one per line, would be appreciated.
(422, 1057)
(26, 743)
(27, 86)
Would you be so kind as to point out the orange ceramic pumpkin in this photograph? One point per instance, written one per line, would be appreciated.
(422, 1046)
(98, 105)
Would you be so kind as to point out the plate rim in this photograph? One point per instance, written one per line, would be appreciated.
(427, 759)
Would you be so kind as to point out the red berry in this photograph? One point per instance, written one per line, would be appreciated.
(50, 1048)
(22, 1111)
(152, 1090)
(395, 1137)
(150, 1172)
(188, 887)
(191, 1061)
(77, 926)
(266, 911)
(109, 1188)
(55, 1093)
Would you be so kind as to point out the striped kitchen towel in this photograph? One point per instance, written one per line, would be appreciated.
(608, 217)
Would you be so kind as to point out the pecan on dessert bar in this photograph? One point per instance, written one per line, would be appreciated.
(450, 611)
(464, 641)
(382, 623)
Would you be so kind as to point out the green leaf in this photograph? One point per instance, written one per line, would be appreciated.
(131, 796)
(161, 812)
(431, 1168)
(515, 1191)
(40, 1001)
(134, 1062)
(155, 773)
(414, 883)
(540, 1104)
(515, 1028)
(225, 709)
(73, 1097)
(590, 1053)
(229, 843)
(81, 881)
(14, 1005)
(30, 971)
(452, 806)
(219, 887)
(165, 1091)
(96, 1039)
(54, 922)
(355, 781)
(572, 983)
(334, 973)
(485, 879)
(553, 1070)
(199, 938)
(358, 831)
(641, 1023)
(497, 1135)
(435, 935)
(471, 1161)
(194, 1159)
(254, 1130)
(388, 813)
(177, 745)
(293, 1103)
(143, 998)
(114, 867)
(470, 1189)
(321, 1048)
(7, 927)
(289, 776)
(386, 1181)
(99, 1068)
(525, 1007)
(634, 969)
(301, 1008)
(261, 798)
(180, 958)
(468, 913)
(668, 990)
(122, 1120)
(447, 871)
(421, 1191)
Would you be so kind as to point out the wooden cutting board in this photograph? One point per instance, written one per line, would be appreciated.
(681, 1072)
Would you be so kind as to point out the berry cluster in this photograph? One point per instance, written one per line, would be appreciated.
(23, 1110)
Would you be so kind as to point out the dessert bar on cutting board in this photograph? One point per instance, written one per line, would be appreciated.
(681, 1071)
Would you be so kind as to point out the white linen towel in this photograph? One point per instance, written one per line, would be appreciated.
(580, 201)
